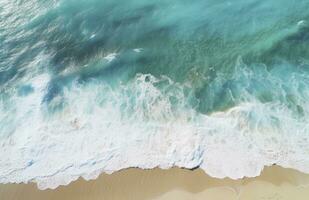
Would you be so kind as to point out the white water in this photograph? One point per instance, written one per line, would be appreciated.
(106, 130)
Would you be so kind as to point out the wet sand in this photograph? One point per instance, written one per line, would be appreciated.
(275, 183)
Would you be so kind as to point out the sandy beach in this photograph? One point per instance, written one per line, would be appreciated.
(275, 183)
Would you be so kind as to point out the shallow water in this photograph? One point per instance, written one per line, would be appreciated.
(92, 86)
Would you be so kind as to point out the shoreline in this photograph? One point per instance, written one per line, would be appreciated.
(274, 183)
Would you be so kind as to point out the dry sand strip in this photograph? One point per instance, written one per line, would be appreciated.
(174, 184)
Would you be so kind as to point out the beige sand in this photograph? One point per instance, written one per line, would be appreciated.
(174, 184)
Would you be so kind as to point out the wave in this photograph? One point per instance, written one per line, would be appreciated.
(91, 86)
(146, 123)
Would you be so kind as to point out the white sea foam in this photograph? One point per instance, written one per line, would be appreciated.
(101, 129)
(138, 50)
(105, 130)
(301, 23)
(111, 57)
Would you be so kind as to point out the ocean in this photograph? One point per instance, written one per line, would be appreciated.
(92, 86)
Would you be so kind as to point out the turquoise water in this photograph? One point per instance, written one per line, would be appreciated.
(229, 80)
